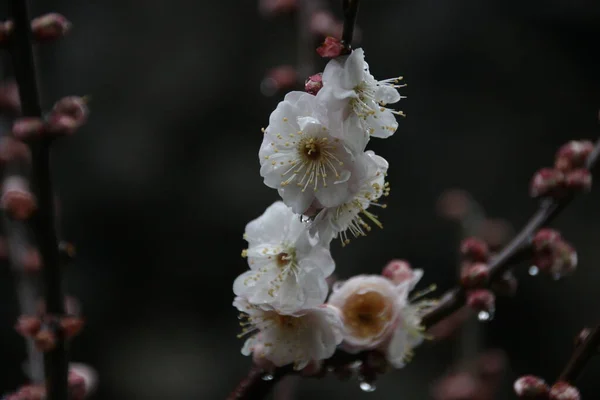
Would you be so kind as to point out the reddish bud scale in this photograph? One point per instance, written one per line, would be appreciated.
(313, 84)
(475, 275)
(330, 48)
(579, 180)
(531, 387)
(475, 250)
(481, 300)
(16, 198)
(45, 340)
(68, 114)
(564, 391)
(27, 127)
(50, 27)
(13, 150)
(547, 182)
(573, 155)
(564, 260)
(71, 325)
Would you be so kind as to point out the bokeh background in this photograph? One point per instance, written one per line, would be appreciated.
(156, 190)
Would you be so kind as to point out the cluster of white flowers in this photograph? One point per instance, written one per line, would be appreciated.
(314, 153)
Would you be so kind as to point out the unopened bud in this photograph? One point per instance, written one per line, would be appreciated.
(331, 48)
(475, 250)
(481, 300)
(50, 27)
(579, 180)
(45, 340)
(9, 97)
(545, 239)
(6, 30)
(28, 326)
(547, 182)
(564, 260)
(82, 380)
(531, 387)
(474, 275)
(68, 114)
(28, 127)
(13, 150)
(564, 391)
(16, 199)
(31, 392)
(71, 326)
(398, 271)
(314, 83)
(573, 154)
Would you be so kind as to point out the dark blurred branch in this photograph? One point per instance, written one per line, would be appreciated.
(516, 251)
(582, 354)
(43, 220)
(350, 12)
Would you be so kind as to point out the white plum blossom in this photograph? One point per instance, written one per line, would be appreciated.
(377, 314)
(304, 157)
(348, 86)
(368, 186)
(288, 267)
(308, 335)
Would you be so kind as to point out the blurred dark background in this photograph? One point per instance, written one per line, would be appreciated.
(156, 190)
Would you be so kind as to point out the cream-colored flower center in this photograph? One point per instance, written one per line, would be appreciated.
(315, 161)
(367, 314)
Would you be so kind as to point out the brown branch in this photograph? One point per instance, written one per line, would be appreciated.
(350, 12)
(582, 354)
(43, 220)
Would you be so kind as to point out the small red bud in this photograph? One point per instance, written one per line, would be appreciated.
(481, 300)
(564, 391)
(531, 387)
(474, 275)
(28, 326)
(28, 127)
(565, 260)
(16, 198)
(6, 30)
(573, 155)
(71, 326)
(579, 180)
(546, 239)
(68, 114)
(475, 250)
(547, 182)
(45, 340)
(330, 48)
(314, 83)
(398, 271)
(50, 27)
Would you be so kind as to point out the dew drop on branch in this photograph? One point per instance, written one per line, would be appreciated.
(267, 377)
(534, 270)
(367, 387)
(485, 316)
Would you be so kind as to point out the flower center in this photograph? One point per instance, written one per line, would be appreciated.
(314, 162)
(286, 322)
(367, 314)
(283, 259)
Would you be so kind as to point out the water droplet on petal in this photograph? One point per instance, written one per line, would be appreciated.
(367, 387)
(533, 270)
(267, 377)
(485, 316)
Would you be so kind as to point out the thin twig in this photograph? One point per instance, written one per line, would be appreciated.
(581, 356)
(350, 12)
(43, 220)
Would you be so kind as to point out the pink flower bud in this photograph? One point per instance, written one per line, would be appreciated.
(45, 340)
(50, 27)
(564, 260)
(573, 155)
(28, 127)
(547, 182)
(71, 326)
(564, 391)
(6, 30)
(398, 271)
(481, 300)
(545, 239)
(31, 392)
(68, 114)
(28, 326)
(82, 380)
(475, 250)
(330, 48)
(531, 387)
(578, 180)
(16, 198)
(13, 150)
(474, 275)
(314, 83)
